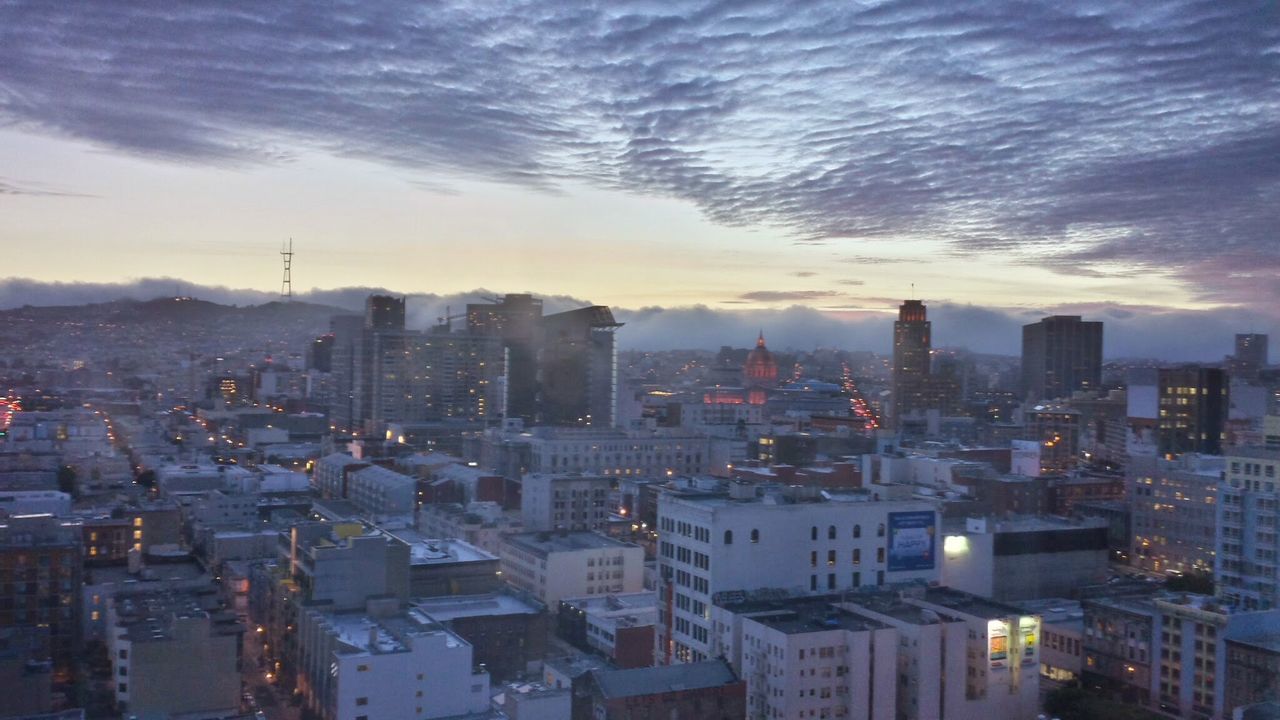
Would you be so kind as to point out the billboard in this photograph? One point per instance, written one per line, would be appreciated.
(997, 643)
(913, 540)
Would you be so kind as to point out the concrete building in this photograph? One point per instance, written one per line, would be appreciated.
(380, 492)
(386, 661)
(917, 653)
(1178, 410)
(709, 690)
(551, 566)
(174, 655)
(1061, 355)
(42, 560)
(660, 452)
(1009, 559)
(507, 630)
(566, 502)
(447, 567)
(711, 543)
(1173, 504)
(1122, 647)
(620, 626)
(1253, 669)
(331, 472)
(1247, 563)
(34, 502)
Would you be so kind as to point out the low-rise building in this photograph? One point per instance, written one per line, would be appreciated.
(386, 661)
(709, 690)
(619, 626)
(508, 632)
(1006, 559)
(551, 566)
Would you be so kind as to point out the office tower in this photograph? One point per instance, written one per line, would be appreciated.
(456, 376)
(514, 319)
(1192, 408)
(347, 331)
(911, 347)
(1061, 355)
(1251, 355)
(320, 354)
(577, 368)
(1247, 562)
(1173, 516)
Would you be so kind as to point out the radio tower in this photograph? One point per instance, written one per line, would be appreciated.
(286, 285)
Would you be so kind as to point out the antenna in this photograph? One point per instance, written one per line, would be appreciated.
(286, 285)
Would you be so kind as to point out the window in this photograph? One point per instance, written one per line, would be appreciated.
(857, 556)
(813, 533)
(879, 555)
(362, 668)
(362, 701)
(880, 530)
(857, 531)
(831, 532)
(831, 557)
(831, 581)
(728, 537)
(122, 687)
(755, 535)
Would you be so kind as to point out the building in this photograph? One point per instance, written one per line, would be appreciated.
(41, 560)
(1122, 647)
(174, 654)
(1194, 668)
(386, 661)
(507, 631)
(514, 320)
(910, 652)
(1193, 411)
(439, 567)
(1173, 506)
(1253, 669)
(577, 368)
(759, 373)
(1251, 355)
(1247, 563)
(1055, 430)
(708, 690)
(655, 453)
(566, 501)
(711, 543)
(378, 491)
(619, 626)
(911, 358)
(1010, 559)
(1061, 355)
(551, 566)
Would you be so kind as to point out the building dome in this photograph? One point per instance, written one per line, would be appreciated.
(760, 370)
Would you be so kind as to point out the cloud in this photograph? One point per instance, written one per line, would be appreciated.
(785, 295)
(848, 281)
(803, 274)
(1087, 138)
(864, 323)
(14, 188)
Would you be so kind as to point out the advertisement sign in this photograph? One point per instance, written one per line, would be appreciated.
(1027, 626)
(997, 644)
(913, 540)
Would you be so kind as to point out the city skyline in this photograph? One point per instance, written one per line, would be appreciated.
(831, 158)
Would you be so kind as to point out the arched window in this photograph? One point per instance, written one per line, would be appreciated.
(813, 533)
(755, 535)
(857, 531)
(728, 537)
(880, 530)
(831, 532)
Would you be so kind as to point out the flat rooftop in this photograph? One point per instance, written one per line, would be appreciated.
(363, 633)
(544, 543)
(452, 607)
(969, 604)
(433, 551)
(816, 618)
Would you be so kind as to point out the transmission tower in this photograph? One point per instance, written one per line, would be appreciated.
(286, 285)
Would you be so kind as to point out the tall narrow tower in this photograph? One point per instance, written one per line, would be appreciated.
(911, 346)
(286, 285)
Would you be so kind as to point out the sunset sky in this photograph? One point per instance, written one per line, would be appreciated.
(742, 156)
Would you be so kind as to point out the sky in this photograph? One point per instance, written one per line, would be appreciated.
(743, 163)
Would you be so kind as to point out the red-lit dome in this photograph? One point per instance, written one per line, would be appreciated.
(760, 370)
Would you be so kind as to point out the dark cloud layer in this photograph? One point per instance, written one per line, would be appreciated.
(1131, 331)
(1098, 138)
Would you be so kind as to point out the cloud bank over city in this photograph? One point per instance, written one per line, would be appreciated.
(1102, 140)
(1131, 332)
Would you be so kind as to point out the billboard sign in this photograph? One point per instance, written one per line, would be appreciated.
(913, 540)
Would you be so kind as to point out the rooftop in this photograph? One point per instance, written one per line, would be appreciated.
(544, 543)
(451, 607)
(1269, 642)
(432, 551)
(664, 678)
(969, 604)
(363, 633)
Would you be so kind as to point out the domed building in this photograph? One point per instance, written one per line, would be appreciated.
(759, 372)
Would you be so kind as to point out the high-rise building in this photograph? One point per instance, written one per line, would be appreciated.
(911, 347)
(1061, 355)
(1192, 410)
(514, 319)
(1172, 511)
(1251, 355)
(577, 368)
